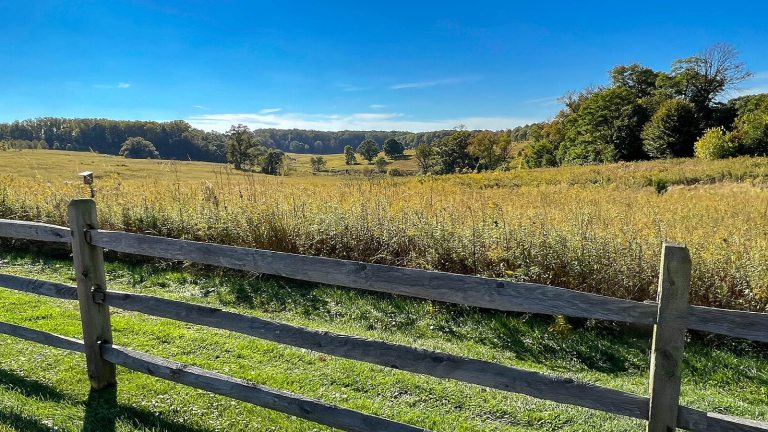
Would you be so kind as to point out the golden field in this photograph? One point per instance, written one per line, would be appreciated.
(593, 228)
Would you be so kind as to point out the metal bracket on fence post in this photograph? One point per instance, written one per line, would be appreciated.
(91, 286)
(669, 338)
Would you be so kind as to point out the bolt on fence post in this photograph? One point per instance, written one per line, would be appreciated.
(91, 286)
(669, 337)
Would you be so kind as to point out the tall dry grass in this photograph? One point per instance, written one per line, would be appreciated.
(595, 229)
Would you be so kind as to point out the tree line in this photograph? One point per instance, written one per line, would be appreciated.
(648, 114)
(171, 140)
(324, 142)
(178, 140)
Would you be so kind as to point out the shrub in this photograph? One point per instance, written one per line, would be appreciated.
(381, 164)
(715, 144)
(395, 172)
(660, 185)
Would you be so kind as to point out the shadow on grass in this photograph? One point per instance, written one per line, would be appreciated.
(102, 410)
(21, 422)
(29, 388)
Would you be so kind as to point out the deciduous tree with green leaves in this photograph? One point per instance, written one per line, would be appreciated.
(240, 142)
(393, 148)
(318, 163)
(672, 131)
(368, 150)
(139, 148)
(423, 155)
(272, 162)
(701, 78)
(490, 148)
(349, 156)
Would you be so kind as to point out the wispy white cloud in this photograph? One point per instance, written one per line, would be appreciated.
(376, 106)
(269, 110)
(356, 121)
(543, 101)
(120, 85)
(757, 84)
(199, 107)
(749, 91)
(432, 83)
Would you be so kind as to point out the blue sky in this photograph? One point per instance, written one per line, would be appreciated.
(345, 65)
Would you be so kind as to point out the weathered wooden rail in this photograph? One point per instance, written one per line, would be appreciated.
(671, 316)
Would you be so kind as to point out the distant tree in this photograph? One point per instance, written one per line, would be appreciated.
(272, 161)
(638, 78)
(139, 148)
(451, 154)
(423, 155)
(701, 78)
(603, 126)
(255, 157)
(240, 142)
(349, 155)
(521, 133)
(746, 104)
(539, 154)
(672, 131)
(490, 148)
(751, 132)
(368, 150)
(393, 148)
(318, 163)
(381, 164)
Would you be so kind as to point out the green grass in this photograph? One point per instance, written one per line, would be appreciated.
(44, 389)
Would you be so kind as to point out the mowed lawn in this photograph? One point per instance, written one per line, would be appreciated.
(44, 389)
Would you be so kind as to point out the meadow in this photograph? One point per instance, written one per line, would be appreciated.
(594, 228)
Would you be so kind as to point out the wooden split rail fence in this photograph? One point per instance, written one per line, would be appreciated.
(670, 317)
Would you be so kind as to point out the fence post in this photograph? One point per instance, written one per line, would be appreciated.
(669, 337)
(91, 285)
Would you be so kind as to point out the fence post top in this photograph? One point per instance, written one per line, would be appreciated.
(675, 252)
(81, 202)
(671, 244)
